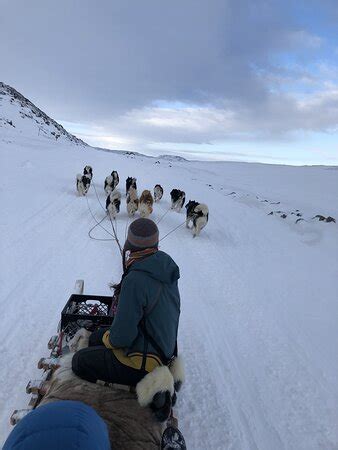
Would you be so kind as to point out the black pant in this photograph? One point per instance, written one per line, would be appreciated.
(97, 362)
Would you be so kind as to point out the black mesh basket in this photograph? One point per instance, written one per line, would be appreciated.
(85, 311)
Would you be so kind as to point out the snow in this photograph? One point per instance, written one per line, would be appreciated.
(258, 327)
(19, 117)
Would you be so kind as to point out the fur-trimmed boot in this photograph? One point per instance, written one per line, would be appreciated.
(176, 368)
(156, 390)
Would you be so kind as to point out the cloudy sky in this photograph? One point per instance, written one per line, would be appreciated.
(253, 80)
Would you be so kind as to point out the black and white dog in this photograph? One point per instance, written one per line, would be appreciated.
(116, 178)
(88, 172)
(130, 182)
(82, 184)
(177, 199)
(113, 203)
(111, 182)
(198, 214)
(158, 192)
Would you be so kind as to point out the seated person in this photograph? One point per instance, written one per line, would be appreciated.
(144, 331)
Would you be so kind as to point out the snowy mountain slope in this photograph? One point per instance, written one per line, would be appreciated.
(259, 293)
(19, 116)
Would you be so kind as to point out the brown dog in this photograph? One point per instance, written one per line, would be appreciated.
(146, 204)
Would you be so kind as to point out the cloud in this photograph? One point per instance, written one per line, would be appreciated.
(277, 119)
(139, 73)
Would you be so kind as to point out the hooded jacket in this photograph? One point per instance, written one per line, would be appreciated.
(149, 290)
(60, 425)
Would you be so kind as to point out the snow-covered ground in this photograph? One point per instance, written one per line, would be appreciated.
(259, 292)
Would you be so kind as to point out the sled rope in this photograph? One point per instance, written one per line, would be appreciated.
(100, 239)
(115, 221)
(97, 222)
(174, 229)
(98, 198)
(163, 215)
(126, 229)
(115, 234)
(114, 230)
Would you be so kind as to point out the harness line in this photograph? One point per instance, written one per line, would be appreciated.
(174, 229)
(163, 215)
(114, 235)
(126, 228)
(114, 230)
(99, 239)
(98, 223)
(98, 198)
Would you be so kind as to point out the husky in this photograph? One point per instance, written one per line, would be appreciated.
(130, 182)
(108, 184)
(82, 184)
(116, 178)
(111, 182)
(113, 203)
(88, 172)
(132, 201)
(146, 202)
(198, 214)
(158, 192)
(177, 199)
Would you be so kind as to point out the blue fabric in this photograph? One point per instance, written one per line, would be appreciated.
(63, 425)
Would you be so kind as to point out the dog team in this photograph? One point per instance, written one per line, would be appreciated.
(196, 213)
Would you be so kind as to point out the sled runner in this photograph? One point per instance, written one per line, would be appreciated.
(88, 312)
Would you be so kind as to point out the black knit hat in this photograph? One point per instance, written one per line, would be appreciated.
(142, 233)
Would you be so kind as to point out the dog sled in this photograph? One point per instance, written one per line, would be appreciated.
(129, 424)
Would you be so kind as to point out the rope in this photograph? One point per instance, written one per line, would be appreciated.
(178, 226)
(98, 223)
(126, 229)
(115, 221)
(163, 215)
(99, 239)
(115, 235)
(98, 198)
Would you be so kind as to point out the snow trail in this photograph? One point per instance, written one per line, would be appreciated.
(258, 324)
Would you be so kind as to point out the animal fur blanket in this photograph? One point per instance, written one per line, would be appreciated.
(130, 426)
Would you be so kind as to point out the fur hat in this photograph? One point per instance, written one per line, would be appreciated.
(142, 233)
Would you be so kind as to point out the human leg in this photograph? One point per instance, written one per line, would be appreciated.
(100, 363)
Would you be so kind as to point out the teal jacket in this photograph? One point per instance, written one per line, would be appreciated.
(153, 278)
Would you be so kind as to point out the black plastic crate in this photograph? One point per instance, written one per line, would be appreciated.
(88, 311)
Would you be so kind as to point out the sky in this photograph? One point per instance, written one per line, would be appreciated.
(219, 79)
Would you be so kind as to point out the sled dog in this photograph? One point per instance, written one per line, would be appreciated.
(108, 184)
(116, 178)
(146, 202)
(132, 201)
(158, 192)
(82, 184)
(88, 172)
(113, 203)
(177, 199)
(111, 182)
(198, 214)
(130, 181)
